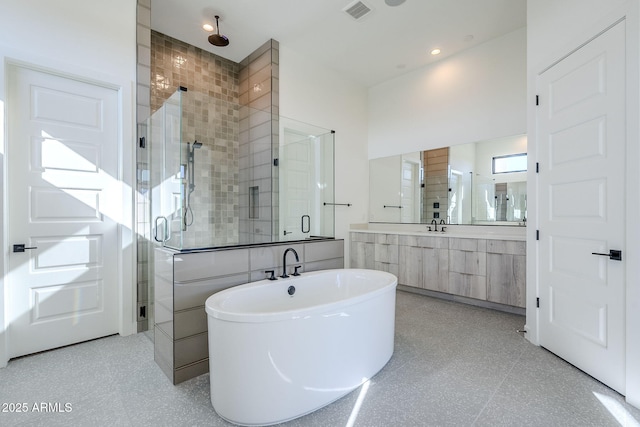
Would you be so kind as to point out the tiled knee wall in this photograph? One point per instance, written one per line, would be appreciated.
(185, 280)
(482, 269)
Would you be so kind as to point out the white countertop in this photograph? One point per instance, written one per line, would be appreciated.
(492, 232)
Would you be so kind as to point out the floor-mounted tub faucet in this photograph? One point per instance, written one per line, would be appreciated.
(284, 261)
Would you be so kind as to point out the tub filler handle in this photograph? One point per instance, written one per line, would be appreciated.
(284, 261)
(273, 274)
(295, 270)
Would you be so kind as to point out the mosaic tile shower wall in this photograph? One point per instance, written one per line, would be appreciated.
(210, 116)
(175, 63)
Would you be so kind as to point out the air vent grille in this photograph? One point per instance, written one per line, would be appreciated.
(357, 10)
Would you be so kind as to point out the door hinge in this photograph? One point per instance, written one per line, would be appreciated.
(537, 167)
(537, 100)
(142, 312)
(537, 234)
(537, 302)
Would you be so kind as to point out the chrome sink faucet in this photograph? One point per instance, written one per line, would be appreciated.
(284, 263)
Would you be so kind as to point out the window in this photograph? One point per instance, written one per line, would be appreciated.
(510, 163)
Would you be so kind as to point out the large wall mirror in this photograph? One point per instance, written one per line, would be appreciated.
(481, 183)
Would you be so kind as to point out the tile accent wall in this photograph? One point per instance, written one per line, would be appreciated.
(175, 63)
(259, 144)
(210, 115)
(185, 280)
(481, 269)
(436, 177)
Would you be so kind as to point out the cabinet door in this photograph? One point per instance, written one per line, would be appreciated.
(410, 266)
(361, 250)
(506, 274)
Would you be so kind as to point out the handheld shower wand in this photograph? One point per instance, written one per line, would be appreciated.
(187, 219)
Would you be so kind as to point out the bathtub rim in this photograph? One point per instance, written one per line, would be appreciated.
(215, 311)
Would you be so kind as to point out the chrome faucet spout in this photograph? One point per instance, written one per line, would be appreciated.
(284, 261)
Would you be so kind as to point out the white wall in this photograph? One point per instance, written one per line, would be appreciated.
(554, 29)
(93, 40)
(387, 184)
(323, 97)
(475, 95)
(552, 25)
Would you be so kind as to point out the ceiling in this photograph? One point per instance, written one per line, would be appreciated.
(385, 43)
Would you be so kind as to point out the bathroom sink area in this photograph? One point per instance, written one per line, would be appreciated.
(451, 230)
(479, 265)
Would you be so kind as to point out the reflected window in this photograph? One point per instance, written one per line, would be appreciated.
(510, 163)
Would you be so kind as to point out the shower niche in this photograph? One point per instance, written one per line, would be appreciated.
(224, 174)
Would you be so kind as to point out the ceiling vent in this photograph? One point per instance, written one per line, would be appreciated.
(357, 10)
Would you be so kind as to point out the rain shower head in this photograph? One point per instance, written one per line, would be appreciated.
(197, 144)
(218, 39)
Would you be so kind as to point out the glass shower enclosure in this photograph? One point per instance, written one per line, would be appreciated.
(224, 174)
(306, 181)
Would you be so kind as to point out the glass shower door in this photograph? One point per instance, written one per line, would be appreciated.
(306, 181)
(167, 173)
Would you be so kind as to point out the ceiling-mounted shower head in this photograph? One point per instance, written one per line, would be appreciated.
(218, 39)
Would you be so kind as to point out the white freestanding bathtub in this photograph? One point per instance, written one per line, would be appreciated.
(275, 356)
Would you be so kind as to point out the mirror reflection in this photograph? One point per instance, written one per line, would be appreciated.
(482, 183)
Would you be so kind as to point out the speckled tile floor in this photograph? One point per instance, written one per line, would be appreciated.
(453, 364)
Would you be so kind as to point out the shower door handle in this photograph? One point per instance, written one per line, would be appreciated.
(165, 236)
(308, 223)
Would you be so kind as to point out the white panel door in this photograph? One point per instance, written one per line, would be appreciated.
(64, 201)
(581, 140)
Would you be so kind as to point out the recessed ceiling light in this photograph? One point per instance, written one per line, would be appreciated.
(435, 51)
(394, 2)
(207, 27)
